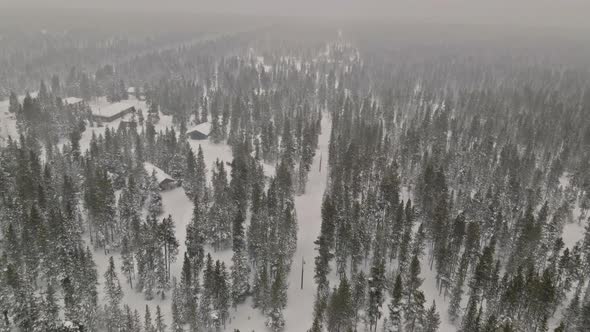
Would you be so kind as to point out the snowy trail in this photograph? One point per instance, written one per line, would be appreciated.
(299, 311)
(431, 293)
(298, 314)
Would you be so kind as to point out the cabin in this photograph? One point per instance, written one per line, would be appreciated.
(73, 101)
(137, 92)
(114, 111)
(165, 181)
(199, 132)
(128, 125)
(197, 135)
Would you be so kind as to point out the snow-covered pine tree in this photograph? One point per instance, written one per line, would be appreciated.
(195, 235)
(414, 306)
(114, 295)
(127, 263)
(49, 311)
(278, 300)
(376, 288)
(160, 324)
(431, 319)
(128, 319)
(176, 306)
(414, 312)
(395, 306)
(359, 294)
(240, 270)
(340, 310)
(148, 323)
(261, 289)
(201, 176)
(223, 292)
(155, 199)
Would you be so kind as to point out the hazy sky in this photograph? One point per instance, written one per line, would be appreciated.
(572, 13)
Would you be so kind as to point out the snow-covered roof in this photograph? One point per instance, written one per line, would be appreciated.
(33, 94)
(72, 100)
(131, 89)
(114, 108)
(160, 174)
(204, 128)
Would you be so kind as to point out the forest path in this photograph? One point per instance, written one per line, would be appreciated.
(299, 311)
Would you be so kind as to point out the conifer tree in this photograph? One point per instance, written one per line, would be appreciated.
(395, 306)
(14, 105)
(431, 319)
(148, 323)
(49, 315)
(129, 322)
(223, 292)
(240, 271)
(114, 295)
(201, 175)
(414, 306)
(359, 291)
(278, 300)
(155, 199)
(376, 296)
(340, 309)
(261, 291)
(160, 325)
(470, 319)
(127, 264)
(559, 328)
(195, 235)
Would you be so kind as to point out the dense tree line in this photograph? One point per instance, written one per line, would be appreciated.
(483, 199)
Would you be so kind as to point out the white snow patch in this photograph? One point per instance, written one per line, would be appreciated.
(564, 180)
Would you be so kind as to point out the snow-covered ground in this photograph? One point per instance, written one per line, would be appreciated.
(573, 231)
(431, 294)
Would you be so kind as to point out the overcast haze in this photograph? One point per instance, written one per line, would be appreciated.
(566, 13)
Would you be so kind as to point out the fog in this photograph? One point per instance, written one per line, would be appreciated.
(532, 13)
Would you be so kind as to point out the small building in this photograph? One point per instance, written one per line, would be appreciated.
(197, 135)
(113, 111)
(124, 124)
(200, 131)
(165, 181)
(137, 92)
(73, 101)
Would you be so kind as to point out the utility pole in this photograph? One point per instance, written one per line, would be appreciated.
(302, 264)
(320, 163)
